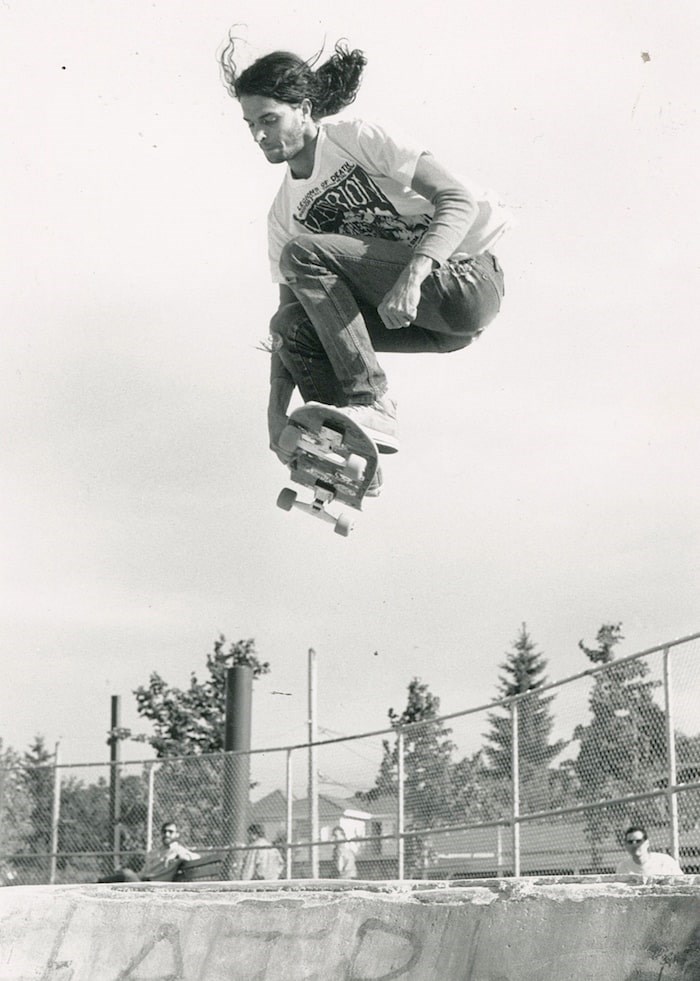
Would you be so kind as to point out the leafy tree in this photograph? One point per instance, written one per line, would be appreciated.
(523, 671)
(191, 721)
(188, 724)
(85, 827)
(622, 750)
(688, 771)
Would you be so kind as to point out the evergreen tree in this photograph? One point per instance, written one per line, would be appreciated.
(427, 759)
(15, 812)
(473, 790)
(622, 749)
(38, 776)
(523, 671)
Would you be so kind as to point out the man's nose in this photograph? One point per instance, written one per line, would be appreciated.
(259, 135)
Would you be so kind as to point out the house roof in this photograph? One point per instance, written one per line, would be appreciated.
(273, 807)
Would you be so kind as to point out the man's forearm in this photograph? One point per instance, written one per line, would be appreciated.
(455, 209)
(419, 268)
(281, 390)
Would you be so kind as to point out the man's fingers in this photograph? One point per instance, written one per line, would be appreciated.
(394, 319)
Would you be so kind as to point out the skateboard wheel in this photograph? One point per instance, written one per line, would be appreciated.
(343, 526)
(289, 439)
(286, 499)
(355, 466)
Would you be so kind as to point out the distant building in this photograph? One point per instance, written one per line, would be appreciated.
(271, 813)
(554, 847)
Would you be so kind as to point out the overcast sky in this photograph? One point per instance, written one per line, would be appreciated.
(549, 474)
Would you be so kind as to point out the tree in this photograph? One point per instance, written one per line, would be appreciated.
(37, 777)
(622, 750)
(474, 797)
(688, 770)
(524, 669)
(427, 758)
(15, 811)
(85, 837)
(191, 721)
(188, 724)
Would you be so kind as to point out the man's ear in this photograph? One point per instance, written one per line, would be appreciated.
(307, 108)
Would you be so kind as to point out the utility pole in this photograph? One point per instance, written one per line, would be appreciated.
(313, 775)
(237, 733)
(115, 779)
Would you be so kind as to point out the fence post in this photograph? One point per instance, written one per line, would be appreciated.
(671, 775)
(515, 777)
(313, 775)
(115, 779)
(3, 777)
(290, 819)
(55, 817)
(400, 812)
(150, 770)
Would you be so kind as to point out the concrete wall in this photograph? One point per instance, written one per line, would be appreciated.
(588, 929)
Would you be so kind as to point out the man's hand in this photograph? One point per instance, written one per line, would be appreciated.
(399, 308)
(276, 421)
(281, 389)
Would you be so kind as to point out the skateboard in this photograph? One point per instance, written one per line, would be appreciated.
(333, 456)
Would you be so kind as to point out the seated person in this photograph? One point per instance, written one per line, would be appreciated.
(159, 861)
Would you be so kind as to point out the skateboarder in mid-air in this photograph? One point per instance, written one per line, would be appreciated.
(374, 244)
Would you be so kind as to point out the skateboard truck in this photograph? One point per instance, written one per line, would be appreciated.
(323, 494)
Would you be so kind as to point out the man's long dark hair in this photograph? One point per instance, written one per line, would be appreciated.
(286, 77)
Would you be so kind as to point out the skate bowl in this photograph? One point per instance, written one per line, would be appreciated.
(591, 928)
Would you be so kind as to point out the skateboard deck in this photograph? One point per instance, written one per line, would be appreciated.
(331, 455)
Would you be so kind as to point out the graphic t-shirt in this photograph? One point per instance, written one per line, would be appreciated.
(360, 186)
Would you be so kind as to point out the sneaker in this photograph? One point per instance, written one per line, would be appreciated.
(378, 420)
(375, 485)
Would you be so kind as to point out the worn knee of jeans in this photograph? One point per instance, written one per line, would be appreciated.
(300, 257)
(291, 330)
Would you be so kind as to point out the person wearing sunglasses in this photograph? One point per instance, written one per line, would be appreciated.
(640, 860)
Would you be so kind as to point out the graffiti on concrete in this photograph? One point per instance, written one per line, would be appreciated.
(166, 936)
(380, 951)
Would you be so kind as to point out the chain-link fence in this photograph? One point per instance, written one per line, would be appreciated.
(543, 782)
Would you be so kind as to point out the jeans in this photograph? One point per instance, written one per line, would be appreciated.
(327, 337)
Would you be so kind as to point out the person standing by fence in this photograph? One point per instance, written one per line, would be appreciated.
(262, 860)
(344, 864)
(639, 860)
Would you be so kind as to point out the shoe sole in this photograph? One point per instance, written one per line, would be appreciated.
(385, 443)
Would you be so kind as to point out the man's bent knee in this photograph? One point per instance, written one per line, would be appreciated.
(297, 253)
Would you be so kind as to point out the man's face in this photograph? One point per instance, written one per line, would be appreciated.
(169, 834)
(636, 844)
(276, 127)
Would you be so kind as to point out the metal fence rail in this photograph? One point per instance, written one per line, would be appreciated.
(492, 790)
